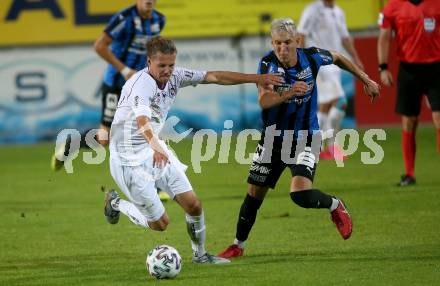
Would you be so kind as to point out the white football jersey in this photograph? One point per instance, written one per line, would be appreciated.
(323, 27)
(141, 96)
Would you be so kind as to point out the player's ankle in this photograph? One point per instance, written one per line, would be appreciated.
(239, 243)
(335, 204)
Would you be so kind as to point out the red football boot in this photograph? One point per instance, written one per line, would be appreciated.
(232, 251)
(341, 218)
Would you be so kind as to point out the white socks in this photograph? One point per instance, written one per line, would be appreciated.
(131, 211)
(324, 126)
(335, 204)
(195, 224)
(330, 121)
(323, 121)
(335, 116)
(239, 243)
(197, 232)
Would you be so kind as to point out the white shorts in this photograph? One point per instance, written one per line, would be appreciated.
(329, 84)
(140, 183)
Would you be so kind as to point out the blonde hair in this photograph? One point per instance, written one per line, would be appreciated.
(160, 44)
(283, 24)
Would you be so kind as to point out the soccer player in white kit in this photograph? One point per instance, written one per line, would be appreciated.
(323, 25)
(140, 162)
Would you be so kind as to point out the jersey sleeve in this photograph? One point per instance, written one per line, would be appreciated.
(307, 21)
(116, 27)
(138, 95)
(186, 77)
(320, 56)
(265, 62)
(386, 17)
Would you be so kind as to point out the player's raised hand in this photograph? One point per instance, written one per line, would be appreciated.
(270, 79)
(371, 88)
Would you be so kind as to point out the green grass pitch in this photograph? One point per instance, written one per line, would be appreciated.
(53, 232)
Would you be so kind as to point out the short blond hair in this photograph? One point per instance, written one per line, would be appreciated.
(283, 24)
(162, 45)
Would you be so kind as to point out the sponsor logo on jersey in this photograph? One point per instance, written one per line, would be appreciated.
(299, 100)
(155, 100)
(172, 91)
(282, 87)
(304, 73)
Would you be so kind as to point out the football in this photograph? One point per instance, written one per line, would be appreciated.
(164, 262)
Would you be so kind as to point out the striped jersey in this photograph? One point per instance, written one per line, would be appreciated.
(299, 112)
(130, 34)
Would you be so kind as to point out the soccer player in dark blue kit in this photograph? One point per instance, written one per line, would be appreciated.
(291, 130)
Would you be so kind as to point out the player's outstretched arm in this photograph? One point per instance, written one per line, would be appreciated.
(370, 86)
(268, 98)
(231, 78)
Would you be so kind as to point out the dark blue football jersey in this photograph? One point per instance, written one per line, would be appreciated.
(130, 34)
(299, 112)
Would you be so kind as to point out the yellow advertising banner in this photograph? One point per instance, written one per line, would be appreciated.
(41, 22)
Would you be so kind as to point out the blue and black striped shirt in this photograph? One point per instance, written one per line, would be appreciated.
(300, 112)
(130, 34)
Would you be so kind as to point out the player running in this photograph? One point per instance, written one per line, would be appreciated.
(140, 162)
(289, 108)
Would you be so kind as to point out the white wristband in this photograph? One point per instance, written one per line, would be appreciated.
(125, 71)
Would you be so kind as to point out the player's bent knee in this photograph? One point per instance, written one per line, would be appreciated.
(257, 192)
(194, 208)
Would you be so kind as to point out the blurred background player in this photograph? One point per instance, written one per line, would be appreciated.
(140, 162)
(323, 25)
(292, 109)
(416, 24)
(123, 46)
